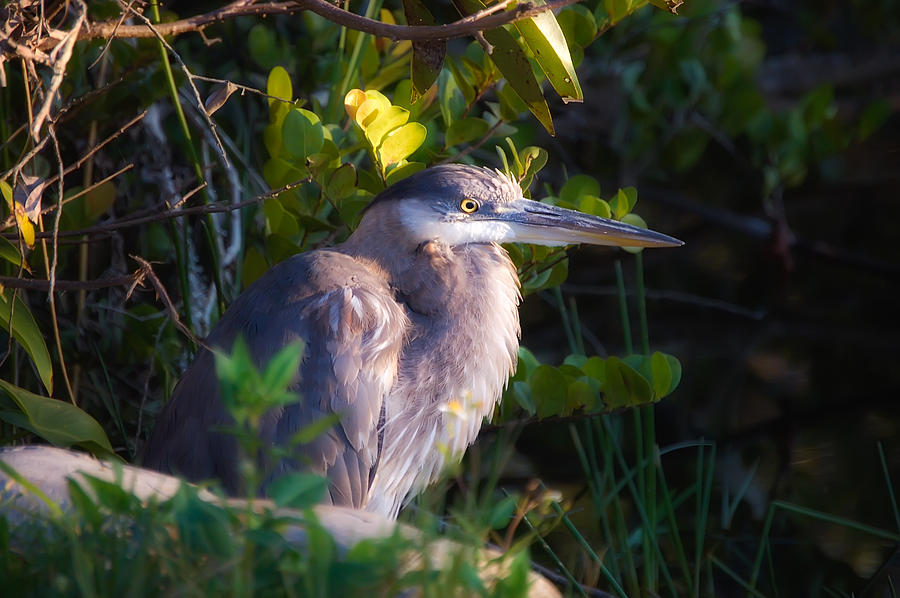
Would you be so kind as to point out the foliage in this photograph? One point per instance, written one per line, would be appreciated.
(667, 100)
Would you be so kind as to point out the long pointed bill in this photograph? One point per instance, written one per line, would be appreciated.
(534, 222)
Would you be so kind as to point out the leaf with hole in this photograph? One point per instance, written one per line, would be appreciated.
(548, 44)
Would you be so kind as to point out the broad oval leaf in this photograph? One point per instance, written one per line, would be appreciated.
(342, 182)
(402, 142)
(548, 390)
(279, 86)
(624, 386)
(402, 171)
(57, 422)
(386, 121)
(302, 133)
(465, 130)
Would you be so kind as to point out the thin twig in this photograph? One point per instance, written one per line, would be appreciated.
(11, 220)
(212, 208)
(190, 79)
(51, 295)
(163, 295)
(63, 52)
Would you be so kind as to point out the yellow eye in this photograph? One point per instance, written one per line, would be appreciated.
(468, 205)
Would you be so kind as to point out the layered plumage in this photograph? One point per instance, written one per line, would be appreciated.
(411, 332)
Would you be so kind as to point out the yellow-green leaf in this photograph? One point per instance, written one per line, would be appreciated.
(279, 86)
(302, 133)
(386, 121)
(513, 64)
(25, 330)
(401, 171)
(58, 422)
(548, 44)
(401, 143)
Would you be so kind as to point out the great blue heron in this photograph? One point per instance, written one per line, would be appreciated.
(411, 331)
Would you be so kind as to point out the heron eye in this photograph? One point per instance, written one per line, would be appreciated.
(468, 205)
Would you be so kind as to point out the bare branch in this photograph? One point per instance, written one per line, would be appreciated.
(461, 28)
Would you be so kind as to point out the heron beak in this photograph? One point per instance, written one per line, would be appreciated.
(534, 222)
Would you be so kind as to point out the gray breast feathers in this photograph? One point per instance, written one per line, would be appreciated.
(353, 332)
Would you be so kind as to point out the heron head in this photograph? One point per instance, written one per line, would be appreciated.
(460, 204)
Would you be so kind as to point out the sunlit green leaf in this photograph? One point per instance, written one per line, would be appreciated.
(514, 65)
(401, 143)
(302, 133)
(402, 171)
(577, 187)
(278, 85)
(548, 44)
(387, 120)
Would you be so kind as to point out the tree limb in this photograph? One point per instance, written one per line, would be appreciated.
(461, 28)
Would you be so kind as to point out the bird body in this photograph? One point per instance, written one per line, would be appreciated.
(411, 331)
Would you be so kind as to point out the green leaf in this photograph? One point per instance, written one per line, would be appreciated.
(634, 220)
(402, 171)
(302, 133)
(263, 46)
(624, 385)
(595, 367)
(502, 512)
(548, 44)
(548, 390)
(464, 130)
(308, 433)
(10, 252)
(427, 56)
(596, 206)
(579, 395)
(57, 422)
(578, 24)
(298, 490)
(387, 120)
(522, 393)
(282, 368)
(513, 64)
(25, 330)
(400, 143)
(533, 159)
(623, 202)
(670, 370)
(342, 182)
(279, 86)
(577, 187)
